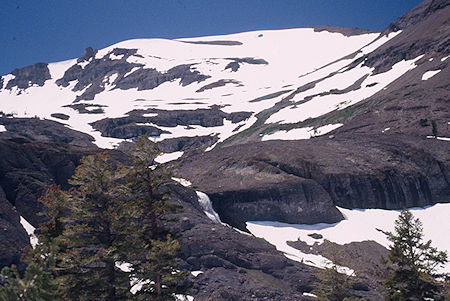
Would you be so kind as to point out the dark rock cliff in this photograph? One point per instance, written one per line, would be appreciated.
(273, 180)
(28, 76)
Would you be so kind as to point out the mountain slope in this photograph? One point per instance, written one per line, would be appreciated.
(273, 125)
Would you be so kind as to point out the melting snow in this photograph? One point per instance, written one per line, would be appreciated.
(309, 295)
(196, 273)
(179, 297)
(278, 234)
(30, 230)
(283, 50)
(359, 225)
(182, 181)
(167, 157)
(301, 133)
(378, 42)
(430, 74)
(439, 138)
(327, 102)
(123, 266)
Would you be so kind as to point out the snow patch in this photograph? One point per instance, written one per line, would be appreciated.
(137, 284)
(30, 231)
(196, 273)
(150, 115)
(359, 225)
(123, 266)
(430, 74)
(301, 133)
(444, 58)
(182, 181)
(7, 78)
(380, 41)
(278, 234)
(112, 56)
(2, 128)
(385, 130)
(325, 101)
(439, 138)
(167, 157)
(180, 297)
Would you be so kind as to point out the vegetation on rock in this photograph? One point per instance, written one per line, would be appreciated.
(104, 238)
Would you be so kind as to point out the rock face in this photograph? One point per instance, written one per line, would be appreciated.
(28, 76)
(35, 129)
(137, 123)
(12, 235)
(114, 65)
(305, 178)
(28, 168)
(425, 30)
(365, 258)
(237, 266)
(380, 158)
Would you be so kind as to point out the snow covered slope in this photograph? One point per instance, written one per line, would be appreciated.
(238, 76)
(359, 225)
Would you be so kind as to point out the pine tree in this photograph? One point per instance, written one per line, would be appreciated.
(38, 281)
(98, 232)
(35, 285)
(112, 218)
(412, 262)
(157, 268)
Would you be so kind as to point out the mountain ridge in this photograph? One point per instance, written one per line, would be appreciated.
(270, 124)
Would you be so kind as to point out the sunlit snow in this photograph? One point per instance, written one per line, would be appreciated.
(430, 74)
(30, 231)
(327, 102)
(182, 181)
(439, 138)
(167, 157)
(301, 133)
(2, 128)
(359, 225)
(196, 273)
(284, 52)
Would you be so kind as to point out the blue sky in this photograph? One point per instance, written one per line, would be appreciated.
(53, 30)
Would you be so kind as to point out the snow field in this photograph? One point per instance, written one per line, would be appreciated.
(328, 102)
(359, 225)
(284, 51)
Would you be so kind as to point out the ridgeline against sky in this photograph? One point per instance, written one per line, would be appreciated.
(48, 31)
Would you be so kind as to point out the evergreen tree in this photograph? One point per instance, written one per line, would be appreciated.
(99, 232)
(35, 285)
(157, 268)
(38, 281)
(412, 262)
(104, 236)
